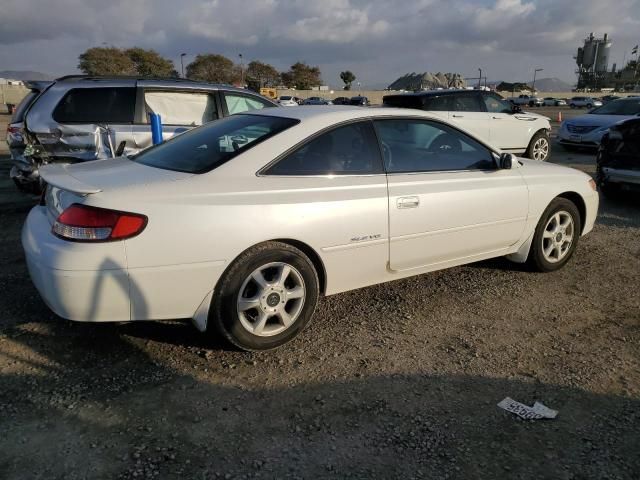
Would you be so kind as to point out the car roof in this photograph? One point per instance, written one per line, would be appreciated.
(431, 93)
(333, 113)
(164, 82)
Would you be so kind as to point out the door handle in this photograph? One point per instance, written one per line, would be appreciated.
(458, 116)
(408, 202)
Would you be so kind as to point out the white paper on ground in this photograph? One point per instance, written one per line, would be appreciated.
(536, 412)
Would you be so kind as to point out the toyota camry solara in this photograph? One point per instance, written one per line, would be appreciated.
(242, 223)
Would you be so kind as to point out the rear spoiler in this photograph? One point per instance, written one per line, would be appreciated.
(58, 175)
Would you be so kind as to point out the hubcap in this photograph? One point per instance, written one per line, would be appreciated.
(558, 236)
(271, 299)
(541, 149)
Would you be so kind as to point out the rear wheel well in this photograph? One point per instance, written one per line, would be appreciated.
(313, 256)
(578, 201)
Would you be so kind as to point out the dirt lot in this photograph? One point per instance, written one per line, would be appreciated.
(395, 381)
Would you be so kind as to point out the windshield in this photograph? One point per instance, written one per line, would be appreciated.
(285, 98)
(209, 146)
(619, 107)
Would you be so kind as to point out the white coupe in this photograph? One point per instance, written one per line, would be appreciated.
(242, 223)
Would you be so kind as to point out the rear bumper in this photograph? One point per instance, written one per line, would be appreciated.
(77, 281)
(621, 176)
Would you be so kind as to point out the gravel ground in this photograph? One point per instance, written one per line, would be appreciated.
(394, 381)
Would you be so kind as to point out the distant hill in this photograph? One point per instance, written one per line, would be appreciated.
(24, 75)
(552, 85)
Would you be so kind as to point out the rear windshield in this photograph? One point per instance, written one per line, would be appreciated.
(209, 146)
(619, 107)
(21, 109)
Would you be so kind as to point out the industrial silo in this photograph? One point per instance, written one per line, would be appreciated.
(602, 54)
(589, 52)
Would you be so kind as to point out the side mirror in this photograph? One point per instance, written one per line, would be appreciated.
(506, 161)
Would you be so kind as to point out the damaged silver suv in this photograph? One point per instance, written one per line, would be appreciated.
(80, 118)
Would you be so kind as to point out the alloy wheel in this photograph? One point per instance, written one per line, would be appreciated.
(558, 236)
(271, 299)
(541, 149)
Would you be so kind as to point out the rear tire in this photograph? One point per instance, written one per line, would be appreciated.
(573, 105)
(539, 147)
(589, 106)
(265, 298)
(556, 236)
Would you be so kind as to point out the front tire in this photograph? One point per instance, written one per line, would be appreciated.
(556, 236)
(539, 147)
(265, 298)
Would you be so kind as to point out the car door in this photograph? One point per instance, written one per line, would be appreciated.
(179, 110)
(468, 112)
(507, 130)
(332, 189)
(448, 201)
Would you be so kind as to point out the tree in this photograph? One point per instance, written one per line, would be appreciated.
(149, 63)
(260, 75)
(106, 61)
(302, 76)
(212, 68)
(133, 61)
(347, 77)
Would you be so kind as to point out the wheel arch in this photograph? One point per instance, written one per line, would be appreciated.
(580, 204)
(315, 258)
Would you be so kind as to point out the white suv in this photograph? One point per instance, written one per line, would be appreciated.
(487, 115)
(580, 102)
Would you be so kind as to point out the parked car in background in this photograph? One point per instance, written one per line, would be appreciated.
(528, 100)
(359, 101)
(609, 98)
(487, 115)
(317, 101)
(587, 130)
(554, 102)
(618, 159)
(341, 101)
(581, 102)
(269, 210)
(79, 118)
(15, 128)
(287, 101)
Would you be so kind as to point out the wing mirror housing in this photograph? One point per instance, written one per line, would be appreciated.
(507, 161)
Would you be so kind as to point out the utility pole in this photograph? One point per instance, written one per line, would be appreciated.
(182, 55)
(533, 86)
(241, 71)
(479, 78)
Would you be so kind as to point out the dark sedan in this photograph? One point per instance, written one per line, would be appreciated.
(618, 160)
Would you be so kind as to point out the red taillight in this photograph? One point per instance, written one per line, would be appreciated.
(83, 223)
(13, 130)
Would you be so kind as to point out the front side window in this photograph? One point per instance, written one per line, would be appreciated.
(348, 150)
(237, 103)
(97, 105)
(423, 146)
(181, 108)
(466, 103)
(496, 105)
(209, 146)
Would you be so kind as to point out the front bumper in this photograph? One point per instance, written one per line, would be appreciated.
(591, 139)
(615, 175)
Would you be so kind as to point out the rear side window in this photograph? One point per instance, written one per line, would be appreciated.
(348, 150)
(438, 104)
(97, 105)
(181, 108)
(209, 146)
(402, 101)
(237, 103)
(467, 103)
(18, 115)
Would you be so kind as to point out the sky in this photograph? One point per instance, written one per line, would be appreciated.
(378, 40)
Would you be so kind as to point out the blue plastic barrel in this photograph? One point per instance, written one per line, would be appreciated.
(156, 128)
